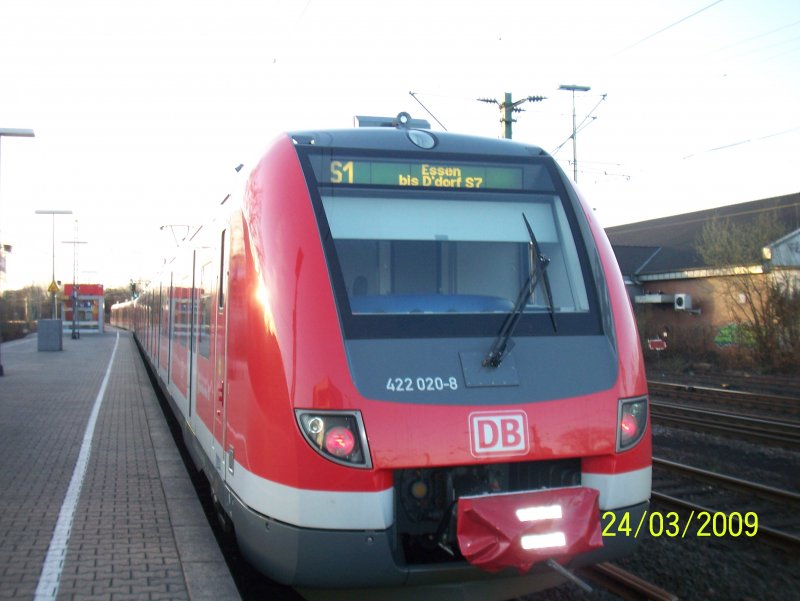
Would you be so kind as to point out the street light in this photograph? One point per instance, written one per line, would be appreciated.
(573, 88)
(53, 286)
(76, 334)
(12, 132)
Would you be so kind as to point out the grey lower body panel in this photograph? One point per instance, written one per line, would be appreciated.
(316, 558)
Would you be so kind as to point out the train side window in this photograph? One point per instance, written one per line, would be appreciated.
(222, 281)
(171, 314)
(166, 313)
(204, 312)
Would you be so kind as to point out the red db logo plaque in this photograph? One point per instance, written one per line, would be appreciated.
(498, 433)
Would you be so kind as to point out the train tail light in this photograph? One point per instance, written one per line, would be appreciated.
(631, 423)
(340, 441)
(338, 436)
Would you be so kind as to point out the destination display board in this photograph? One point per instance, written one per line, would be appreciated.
(422, 174)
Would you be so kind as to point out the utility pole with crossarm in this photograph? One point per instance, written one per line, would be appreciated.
(507, 108)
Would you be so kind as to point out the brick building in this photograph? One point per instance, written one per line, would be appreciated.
(675, 291)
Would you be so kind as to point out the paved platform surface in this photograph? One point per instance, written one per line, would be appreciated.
(138, 531)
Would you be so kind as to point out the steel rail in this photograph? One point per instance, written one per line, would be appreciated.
(769, 493)
(757, 399)
(784, 540)
(760, 430)
(778, 385)
(623, 583)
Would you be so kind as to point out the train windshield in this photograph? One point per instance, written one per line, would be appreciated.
(412, 239)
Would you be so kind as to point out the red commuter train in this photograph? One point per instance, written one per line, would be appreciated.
(406, 360)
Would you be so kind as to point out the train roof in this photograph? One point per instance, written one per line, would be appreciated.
(399, 139)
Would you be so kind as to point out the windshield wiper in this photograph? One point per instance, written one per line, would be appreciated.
(503, 343)
(548, 293)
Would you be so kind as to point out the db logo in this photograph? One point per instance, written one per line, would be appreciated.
(500, 433)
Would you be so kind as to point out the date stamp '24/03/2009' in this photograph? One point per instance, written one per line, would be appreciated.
(708, 524)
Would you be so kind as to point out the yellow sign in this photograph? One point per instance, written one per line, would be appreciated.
(53, 288)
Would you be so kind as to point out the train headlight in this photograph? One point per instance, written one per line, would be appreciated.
(339, 436)
(631, 423)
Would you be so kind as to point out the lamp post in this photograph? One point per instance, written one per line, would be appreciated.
(53, 286)
(12, 132)
(573, 88)
(76, 334)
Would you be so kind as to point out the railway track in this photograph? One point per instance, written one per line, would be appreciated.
(722, 494)
(776, 385)
(624, 584)
(763, 402)
(765, 431)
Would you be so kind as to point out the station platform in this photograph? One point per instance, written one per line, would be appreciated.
(95, 501)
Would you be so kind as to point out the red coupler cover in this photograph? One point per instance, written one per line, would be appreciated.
(521, 529)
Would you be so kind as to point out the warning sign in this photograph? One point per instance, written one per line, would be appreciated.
(53, 288)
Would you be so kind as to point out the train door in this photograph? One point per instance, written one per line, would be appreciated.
(220, 360)
(181, 339)
(203, 350)
(151, 301)
(159, 322)
(166, 332)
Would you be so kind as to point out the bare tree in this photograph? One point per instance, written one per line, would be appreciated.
(763, 305)
(784, 297)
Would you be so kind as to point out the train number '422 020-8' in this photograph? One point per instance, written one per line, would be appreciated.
(422, 384)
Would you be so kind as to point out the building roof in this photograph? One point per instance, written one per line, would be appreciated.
(668, 244)
(84, 289)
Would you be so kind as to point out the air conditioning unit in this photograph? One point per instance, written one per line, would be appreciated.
(683, 302)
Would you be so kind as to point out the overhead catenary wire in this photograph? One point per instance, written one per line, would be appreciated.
(414, 96)
(780, 54)
(745, 141)
(670, 26)
(589, 115)
(577, 131)
(760, 35)
(587, 120)
(594, 172)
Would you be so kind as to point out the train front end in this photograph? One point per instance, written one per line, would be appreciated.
(461, 361)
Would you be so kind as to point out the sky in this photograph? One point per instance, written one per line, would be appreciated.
(142, 110)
